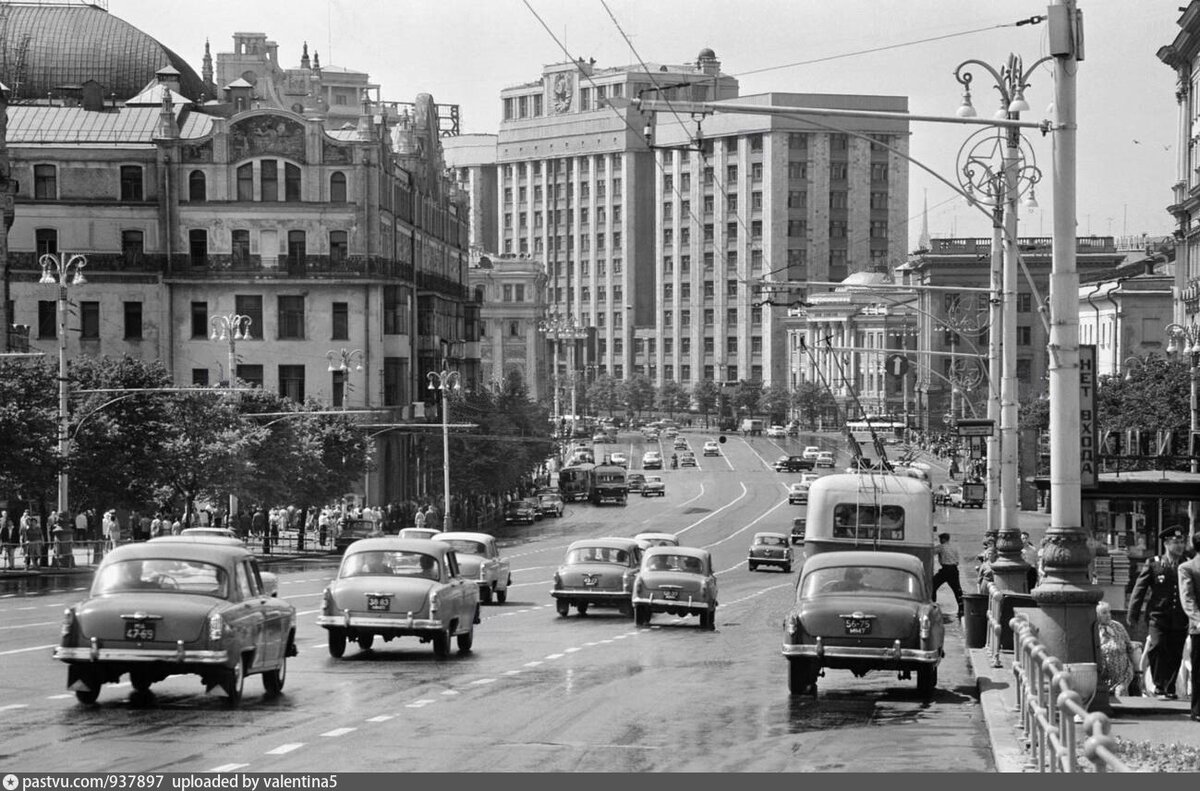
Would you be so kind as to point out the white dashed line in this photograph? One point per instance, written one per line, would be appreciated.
(227, 767)
(449, 692)
(555, 656)
(11, 706)
(339, 731)
(382, 718)
(417, 704)
(60, 697)
(285, 748)
(481, 681)
(533, 664)
(571, 650)
(511, 672)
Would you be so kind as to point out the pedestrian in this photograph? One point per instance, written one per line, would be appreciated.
(419, 518)
(9, 538)
(30, 535)
(323, 526)
(258, 522)
(1029, 553)
(111, 528)
(1118, 654)
(983, 572)
(953, 467)
(948, 573)
(156, 526)
(1156, 595)
(1189, 599)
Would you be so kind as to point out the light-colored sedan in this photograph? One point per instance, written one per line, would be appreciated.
(825, 459)
(597, 572)
(676, 581)
(712, 448)
(647, 540)
(418, 532)
(797, 494)
(777, 432)
(178, 605)
(399, 587)
(654, 487)
(479, 558)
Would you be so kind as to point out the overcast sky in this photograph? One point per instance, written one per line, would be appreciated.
(464, 52)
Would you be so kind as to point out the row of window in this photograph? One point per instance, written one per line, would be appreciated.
(257, 180)
(560, 191)
(709, 259)
(556, 217)
(709, 315)
(560, 167)
(292, 381)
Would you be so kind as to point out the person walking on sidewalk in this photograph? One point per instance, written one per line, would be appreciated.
(9, 538)
(948, 573)
(1189, 598)
(1156, 594)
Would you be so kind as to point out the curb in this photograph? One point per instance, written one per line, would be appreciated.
(997, 699)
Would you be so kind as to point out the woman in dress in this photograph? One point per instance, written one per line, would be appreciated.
(1118, 654)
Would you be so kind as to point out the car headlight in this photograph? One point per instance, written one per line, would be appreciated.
(216, 627)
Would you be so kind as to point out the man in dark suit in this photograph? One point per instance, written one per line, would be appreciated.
(1189, 597)
(1156, 593)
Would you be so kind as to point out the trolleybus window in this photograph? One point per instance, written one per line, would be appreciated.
(854, 520)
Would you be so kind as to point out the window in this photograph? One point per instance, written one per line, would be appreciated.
(731, 173)
(132, 247)
(89, 320)
(731, 345)
(797, 229)
(269, 180)
(731, 231)
(245, 182)
(133, 321)
(199, 319)
(797, 199)
(47, 319)
(879, 200)
(709, 317)
(197, 188)
(756, 171)
(668, 291)
(731, 288)
(338, 247)
(1024, 303)
(685, 291)
(837, 171)
(131, 182)
(879, 229)
(337, 187)
(251, 375)
(756, 229)
(199, 377)
(297, 251)
(291, 318)
(46, 241)
(879, 173)
(291, 382)
(1024, 336)
(291, 183)
(837, 229)
(708, 345)
(685, 345)
(340, 317)
(797, 170)
(240, 247)
(337, 384)
(45, 182)
(756, 201)
(838, 199)
(198, 247)
(731, 316)
(731, 203)
(251, 305)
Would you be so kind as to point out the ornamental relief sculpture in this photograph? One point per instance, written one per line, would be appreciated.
(334, 154)
(266, 134)
(202, 152)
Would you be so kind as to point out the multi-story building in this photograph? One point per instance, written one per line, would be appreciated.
(340, 241)
(511, 290)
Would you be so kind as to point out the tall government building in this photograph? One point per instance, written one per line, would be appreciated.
(658, 231)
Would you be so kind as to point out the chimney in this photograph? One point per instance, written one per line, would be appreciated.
(167, 128)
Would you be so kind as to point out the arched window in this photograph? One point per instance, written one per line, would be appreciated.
(337, 187)
(197, 186)
(514, 328)
(291, 182)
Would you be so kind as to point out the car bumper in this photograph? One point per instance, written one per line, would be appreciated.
(659, 604)
(177, 655)
(601, 598)
(380, 623)
(769, 561)
(896, 654)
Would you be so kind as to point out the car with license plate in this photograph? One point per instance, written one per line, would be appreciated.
(676, 581)
(519, 511)
(797, 493)
(811, 452)
(777, 432)
(770, 549)
(479, 559)
(652, 539)
(687, 459)
(597, 572)
(652, 460)
(550, 503)
(681, 443)
(178, 605)
(654, 487)
(863, 611)
(799, 528)
(350, 530)
(400, 587)
(794, 464)
(712, 448)
(824, 459)
(634, 481)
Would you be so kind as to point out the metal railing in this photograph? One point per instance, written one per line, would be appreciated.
(1053, 711)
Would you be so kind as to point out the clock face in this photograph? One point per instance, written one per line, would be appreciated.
(562, 93)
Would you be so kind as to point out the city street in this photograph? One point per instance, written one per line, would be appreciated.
(539, 692)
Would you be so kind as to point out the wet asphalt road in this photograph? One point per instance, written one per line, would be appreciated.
(538, 693)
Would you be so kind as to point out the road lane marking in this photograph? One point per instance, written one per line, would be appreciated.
(532, 664)
(450, 692)
(227, 767)
(11, 706)
(554, 656)
(417, 704)
(285, 748)
(27, 625)
(711, 514)
(751, 524)
(572, 650)
(481, 681)
(27, 650)
(339, 732)
(382, 718)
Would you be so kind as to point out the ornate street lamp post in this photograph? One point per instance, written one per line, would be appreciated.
(231, 327)
(1190, 335)
(341, 361)
(559, 328)
(444, 381)
(62, 269)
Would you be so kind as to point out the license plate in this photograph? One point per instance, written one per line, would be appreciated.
(858, 625)
(139, 631)
(379, 602)
(591, 580)
(671, 595)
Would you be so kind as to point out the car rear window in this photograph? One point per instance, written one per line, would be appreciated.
(390, 563)
(170, 575)
(465, 547)
(771, 541)
(861, 581)
(684, 563)
(857, 520)
(598, 555)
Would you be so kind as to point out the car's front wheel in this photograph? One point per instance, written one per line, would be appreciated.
(337, 643)
(927, 676)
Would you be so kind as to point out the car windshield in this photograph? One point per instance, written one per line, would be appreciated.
(654, 479)
(684, 563)
(467, 547)
(389, 563)
(598, 555)
(861, 581)
(172, 575)
(770, 541)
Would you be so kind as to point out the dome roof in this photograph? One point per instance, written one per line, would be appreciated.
(706, 53)
(867, 279)
(69, 45)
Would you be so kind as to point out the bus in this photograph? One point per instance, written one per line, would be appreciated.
(575, 482)
(889, 431)
(609, 485)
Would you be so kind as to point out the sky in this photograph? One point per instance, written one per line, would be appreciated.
(466, 51)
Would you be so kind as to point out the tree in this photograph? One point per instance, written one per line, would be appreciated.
(774, 402)
(28, 430)
(638, 393)
(746, 397)
(705, 393)
(815, 403)
(672, 398)
(1152, 399)
(604, 393)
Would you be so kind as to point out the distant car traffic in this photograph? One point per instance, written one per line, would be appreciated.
(618, 458)
(681, 443)
(799, 528)
(635, 481)
(711, 448)
(811, 452)
(777, 432)
(418, 532)
(647, 540)
(794, 464)
(652, 460)
(351, 530)
(687, 459)
(770, 549)
(400, 587)
(797, 494)
(825, 459)
(654, 487)
(550, 503)
(597, 572)
(941, 495)
(519, 511)
(677, 581)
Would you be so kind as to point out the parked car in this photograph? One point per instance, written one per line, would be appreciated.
(711, 448)
(647, 540)
(351, 530)
(178, 606)
(687, 459)
(824, 459)
(677, 581)
(862, 611)
(777, 432)
(770, 549)
(519, 511)
(652, 460)
(654, 487)
(479, 559)
(418, 532)
(550, 503)
(400, 587)
(811, 452)
(635, 481)
(597, 572)
(797, 494)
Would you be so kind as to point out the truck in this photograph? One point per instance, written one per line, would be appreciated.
(752, 426)
(973, 494)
